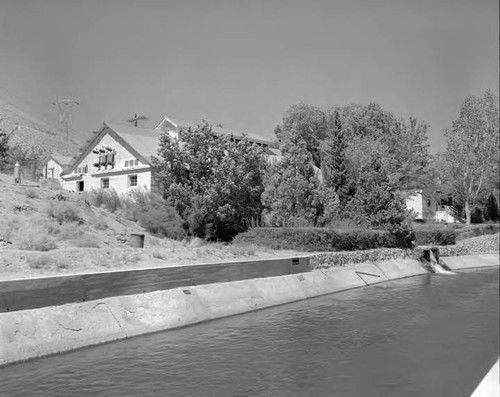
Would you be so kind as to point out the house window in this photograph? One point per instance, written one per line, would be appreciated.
(132, 180)
(136, 162)
(105, 183)
(126, 163)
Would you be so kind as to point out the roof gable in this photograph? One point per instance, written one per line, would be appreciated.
(141, 142)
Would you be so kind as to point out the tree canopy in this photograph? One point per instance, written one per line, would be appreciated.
(471, 157)
(214, 182)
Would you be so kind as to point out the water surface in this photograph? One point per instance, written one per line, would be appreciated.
(428, 335)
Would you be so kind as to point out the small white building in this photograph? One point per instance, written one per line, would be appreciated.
(56, 165)
(423, 206)
(427, 207)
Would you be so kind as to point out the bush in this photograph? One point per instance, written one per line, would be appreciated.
(106, 198)
(86, 241)
(63, 211)
(436, 234)
(50, 183)
(36, 240)
(317, 239)
(435, 237)
(31, 193)
(163, 222)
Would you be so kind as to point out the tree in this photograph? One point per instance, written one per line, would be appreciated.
(491, 212)
(334, 163)
(214, 182)
(472, 150)
(377, 203)
(400, 145)
(293, 193)
(307, 124)
(3, 145)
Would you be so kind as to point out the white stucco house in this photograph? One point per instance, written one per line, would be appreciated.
(428, 208)
(55, 165)
(119, 156)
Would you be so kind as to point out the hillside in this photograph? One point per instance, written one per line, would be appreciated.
(46, 231)
(30, 133)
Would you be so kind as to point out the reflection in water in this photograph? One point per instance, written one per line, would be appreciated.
(421, 336)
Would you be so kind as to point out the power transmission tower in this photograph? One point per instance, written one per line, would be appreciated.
(136, 119)
(65, 106)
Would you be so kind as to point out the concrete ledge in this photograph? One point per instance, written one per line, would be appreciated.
(470, 261)
(490, 385)
(29, 334)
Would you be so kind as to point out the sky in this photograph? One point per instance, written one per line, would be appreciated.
(243, 63)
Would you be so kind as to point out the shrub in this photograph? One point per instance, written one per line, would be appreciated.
(439, 234)
(317, 239)
(163, 222)
(242, 249)
(31, 193)
(63, 211)
(50, 183)
(86, 241)
(101, 225)
(36, 239)
(106, 198)
(435, 237)
(39, 261)
(69, 231)
(158, 255)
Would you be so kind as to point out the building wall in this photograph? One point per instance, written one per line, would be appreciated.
(125, 165)
(53, 170)
(425, 207)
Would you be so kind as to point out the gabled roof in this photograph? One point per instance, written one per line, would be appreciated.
(185, 124)
(63, 161)
(141, 142)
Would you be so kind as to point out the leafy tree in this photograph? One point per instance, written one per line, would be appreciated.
(377, 203)
(293, 193)
(307, 124)
(401, 146)
(214, 182)
(472, 150)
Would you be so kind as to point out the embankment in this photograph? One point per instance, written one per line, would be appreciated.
(37, 332)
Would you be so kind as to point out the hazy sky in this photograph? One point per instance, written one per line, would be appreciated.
(243, 63)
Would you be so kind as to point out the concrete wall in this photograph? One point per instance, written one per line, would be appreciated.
(28, 334)
(470, 261)
(118, 175)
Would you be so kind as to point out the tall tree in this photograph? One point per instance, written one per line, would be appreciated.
(472, 149)
(333, 160)
(293, 193)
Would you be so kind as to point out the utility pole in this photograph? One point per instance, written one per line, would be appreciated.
(64, 107)
(136, 119)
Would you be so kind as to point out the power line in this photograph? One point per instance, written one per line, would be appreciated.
(65, 107)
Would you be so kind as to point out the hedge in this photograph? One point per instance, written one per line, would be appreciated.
(318, 239)
(449, 234)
